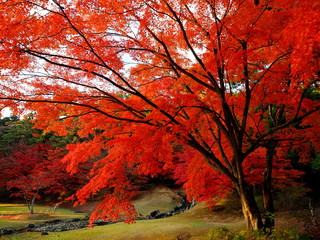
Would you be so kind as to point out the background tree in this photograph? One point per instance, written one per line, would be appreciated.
(17, 132)
(34, 171)
(151, 75)
(25, 173)
(30, 162)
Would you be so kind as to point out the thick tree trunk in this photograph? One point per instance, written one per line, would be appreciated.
(267, 195)
(250, 208)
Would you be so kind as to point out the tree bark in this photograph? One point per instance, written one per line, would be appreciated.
(31, 204)
(267, 195)
(250, 208)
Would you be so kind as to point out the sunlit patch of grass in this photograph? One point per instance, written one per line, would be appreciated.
(18, 216)
(13, 208)
(36, 216)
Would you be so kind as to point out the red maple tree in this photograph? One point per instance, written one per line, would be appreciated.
(34, 171)
(222, 78)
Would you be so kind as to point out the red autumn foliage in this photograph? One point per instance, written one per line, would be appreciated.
(224, 79)
(34, 171)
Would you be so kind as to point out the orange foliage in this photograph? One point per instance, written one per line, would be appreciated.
(137, 79)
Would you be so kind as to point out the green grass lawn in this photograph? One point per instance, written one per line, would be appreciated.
(17, 215)
(193, 224)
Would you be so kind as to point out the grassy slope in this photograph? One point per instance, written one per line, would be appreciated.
(158, 198)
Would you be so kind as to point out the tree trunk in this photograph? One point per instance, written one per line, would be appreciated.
(28, 205)
(31, 204)
(250, 208)
(267, 195)
(31, 208)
